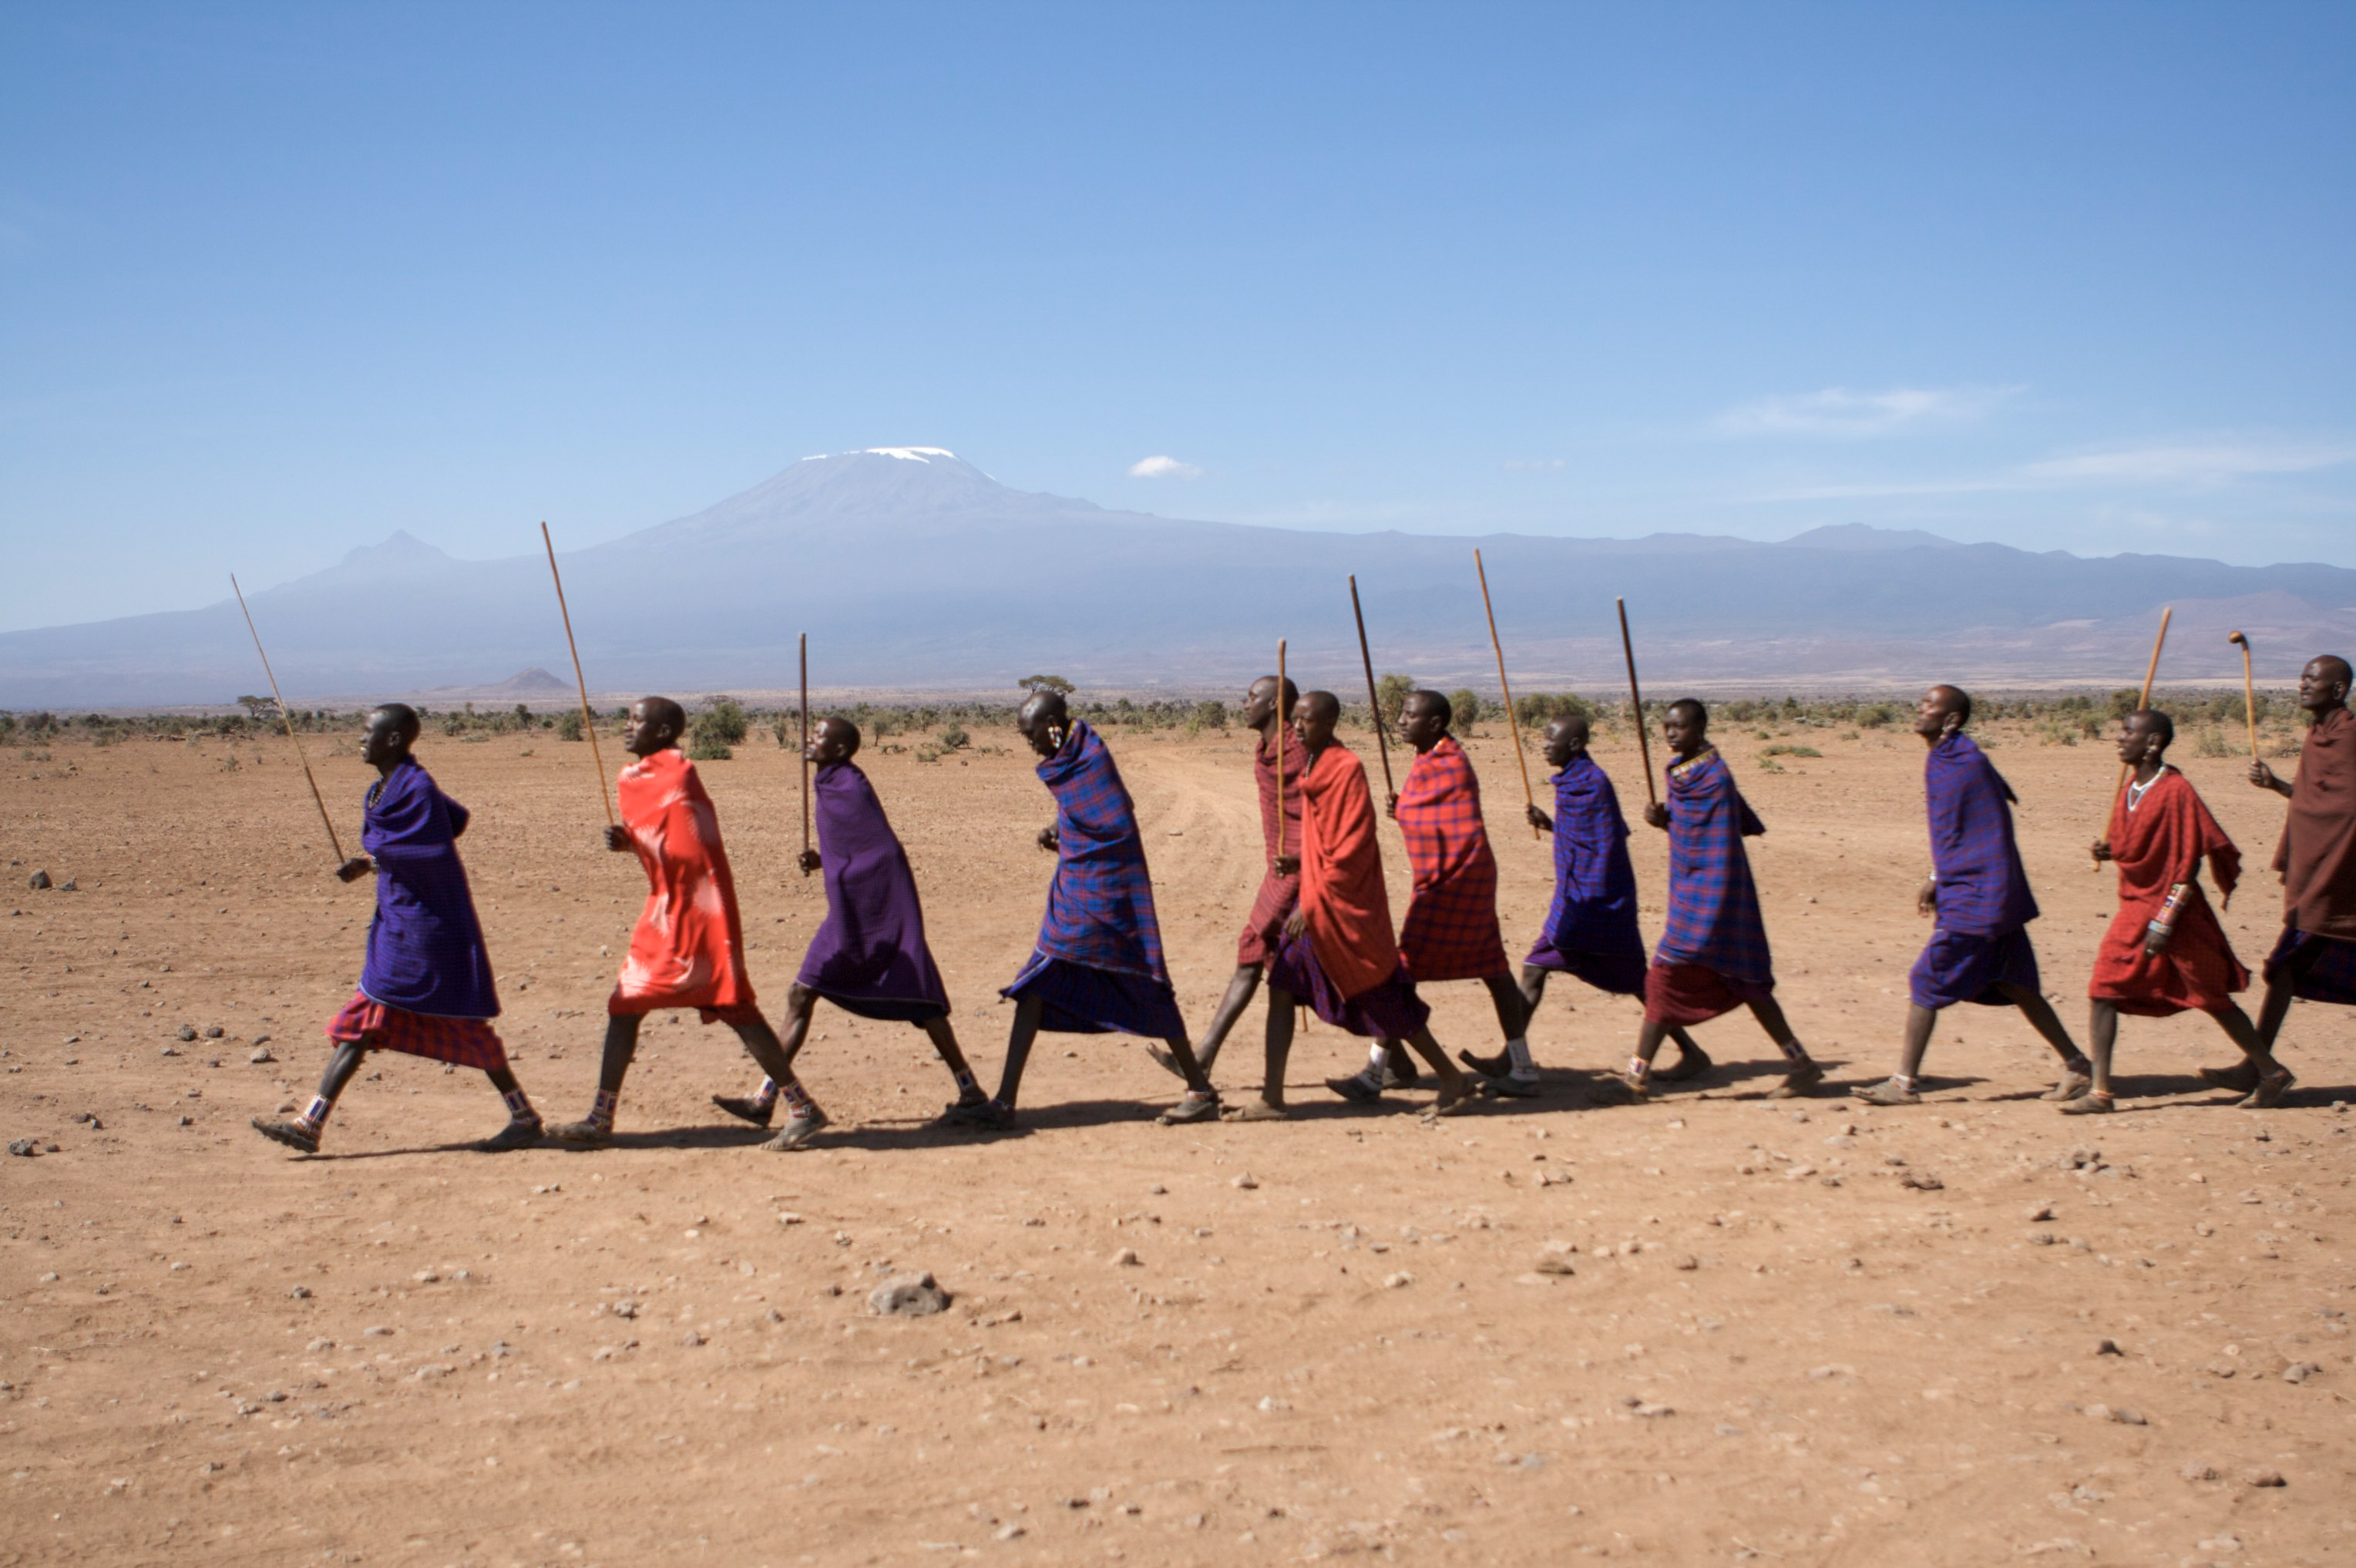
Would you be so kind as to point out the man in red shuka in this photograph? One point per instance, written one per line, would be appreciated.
(688, 950)
(2165, 952)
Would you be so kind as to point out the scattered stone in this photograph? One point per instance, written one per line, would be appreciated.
(2263, 1478)
(1246, 1181)
(1556, 1259)
(1921, 1181)
(1688, 1262)
(2041, 1212)
(1655, 1411)
(912, 1295)
(1157, 1190)
(788, 1217)
(2195, 1470)
(2299, 1372)
(1125, 1258)
(170, 1050)
(300, 1293)
(1397, 1281)
(261, 1054)
(375, 1331)
(24, 1147)
(186, 1031)
(38, 880)
(624, 1309)
(214, 1031)
(2108, 1348)
(691, 1339)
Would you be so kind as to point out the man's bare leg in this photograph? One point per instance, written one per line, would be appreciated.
(1455, 1089)
(2102, 1036)
(1281, 1011)
(2077, 1072)
(998, 1111)
(945, 1043)
(1899, 1088)
(301, 1132)
(2273, 1078)
(762, 1043)
(2276, 1008)
(1201, 1101)
(1240, 988)
(612, 1067)
(801, 1002)
(1804, 1073)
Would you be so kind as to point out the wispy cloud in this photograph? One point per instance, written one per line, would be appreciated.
(2182, 464)
(1533, 465)
(1838, 413)
(1164, 468)
(2193, 462)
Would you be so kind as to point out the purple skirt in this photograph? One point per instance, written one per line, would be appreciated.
(1965, 967)
(2322, 968)
(1389, 1010)
(889, 1010)
(1619, 974)
(1084, 1000)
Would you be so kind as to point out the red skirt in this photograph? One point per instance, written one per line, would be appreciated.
(1683, 994)
(619, 1006)
(2196, 971)
(1264, 927)
(466, 1042)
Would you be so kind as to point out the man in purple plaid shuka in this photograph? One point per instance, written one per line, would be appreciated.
(1097, 966)
(1980, 950)
(1713, 954)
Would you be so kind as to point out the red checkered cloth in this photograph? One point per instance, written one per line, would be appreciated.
(1451, 928)
(1263, 927)
(466, 1042)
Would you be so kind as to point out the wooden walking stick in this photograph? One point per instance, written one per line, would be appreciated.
(1281, 724)
(1637, 705)
(1512, 726)
(1374, 698)
(2127, 770)
(581, 682)
(806, 800)
(2249, 693)
(287, 719)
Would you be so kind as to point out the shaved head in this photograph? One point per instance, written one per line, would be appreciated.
(663, 711)
(835, 727)
(1691, 708)
(402, 716)
(1323, 707)
(2336, 668)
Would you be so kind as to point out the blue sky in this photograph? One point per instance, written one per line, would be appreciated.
(277, 280)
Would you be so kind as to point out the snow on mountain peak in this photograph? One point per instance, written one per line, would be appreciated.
(905, 454)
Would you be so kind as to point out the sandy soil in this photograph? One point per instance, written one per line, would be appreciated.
(1807, 1334)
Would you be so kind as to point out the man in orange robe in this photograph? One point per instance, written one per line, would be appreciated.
(688, 950)
(2165, 952)
(1337, 953)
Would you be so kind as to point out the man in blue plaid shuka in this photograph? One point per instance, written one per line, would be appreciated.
(1097, 966)
(1713, 954)
(1981, 950)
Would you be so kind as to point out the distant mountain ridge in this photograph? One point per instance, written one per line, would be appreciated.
(911, 568)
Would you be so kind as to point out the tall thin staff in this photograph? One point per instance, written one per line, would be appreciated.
(805, 769)
(2127, 770)
(1636, 704)
(2249, 691)
(1512, 726)
(1280, 723)
(579, 681)
(1374, 698)
(288, 720)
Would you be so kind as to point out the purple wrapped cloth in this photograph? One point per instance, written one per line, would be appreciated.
(1591, 928)
(870, 956)
(1713, 921)
(1967, 966)
(426, 952)
(1388, 1009)
(2321, 968)
(1983, 889)
(1098, 963)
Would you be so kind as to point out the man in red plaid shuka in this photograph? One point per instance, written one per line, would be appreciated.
(1451, 928)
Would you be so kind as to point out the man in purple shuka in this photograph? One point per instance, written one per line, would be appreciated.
(1980, 950)
(870, 957)
(1590, 929)
(1097, 967)
(425, 989)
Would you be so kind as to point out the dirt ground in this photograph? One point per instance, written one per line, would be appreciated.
(1964, 1333)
